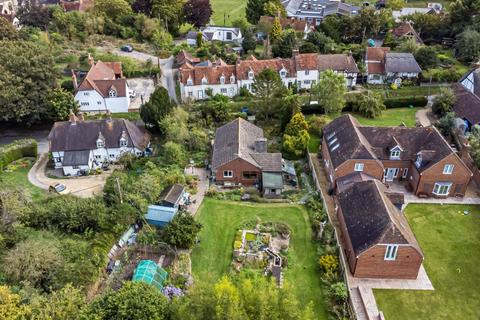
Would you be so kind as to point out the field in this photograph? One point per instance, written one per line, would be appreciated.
(450, 241)
(221, 219)
(227, 9)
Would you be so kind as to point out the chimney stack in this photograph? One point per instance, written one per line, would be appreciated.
(74, 80)
(91, 61)
(261, 145)
(72, 118)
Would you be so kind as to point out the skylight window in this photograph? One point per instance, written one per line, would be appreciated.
(332, 141)
(335, 147)
(331, 135)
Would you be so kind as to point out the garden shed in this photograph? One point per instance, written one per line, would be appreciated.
(159, 216)
(149, 272)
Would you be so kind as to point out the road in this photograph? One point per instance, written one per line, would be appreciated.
(167, 79)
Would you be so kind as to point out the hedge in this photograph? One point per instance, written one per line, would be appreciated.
(390, 103)
(17, 150)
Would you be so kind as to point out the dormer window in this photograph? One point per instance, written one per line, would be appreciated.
(283, 73)
(189, 82)
(123, 142)
(250, 75)
(395, 154)
(100, 143)
(222, 79)
(112, 93)
(232, 79)
(418, 161)
(204, 80)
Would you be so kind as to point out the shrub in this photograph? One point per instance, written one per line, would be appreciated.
(402, 102)
(317, 123)
(338, 291)
(16, 150)
(329, 263)
(237, 244)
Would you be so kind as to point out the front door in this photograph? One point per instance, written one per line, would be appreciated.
(390, 174)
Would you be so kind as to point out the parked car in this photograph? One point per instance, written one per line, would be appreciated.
(127, 48)
(58, 188)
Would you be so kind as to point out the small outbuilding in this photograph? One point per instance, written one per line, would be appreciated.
(159, 216)
(172, 196)
(170, 201)
(149, 272)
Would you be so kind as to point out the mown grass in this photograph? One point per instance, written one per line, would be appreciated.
(450, 241)
(18, 179)
(390, 117)
(221, 219)
(227, 9)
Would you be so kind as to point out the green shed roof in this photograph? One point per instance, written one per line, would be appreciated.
(149, 272)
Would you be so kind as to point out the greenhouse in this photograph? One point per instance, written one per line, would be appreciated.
(149, 272)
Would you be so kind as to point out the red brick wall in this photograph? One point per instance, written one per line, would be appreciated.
(371, 263)
(370, 167)
(460, 177)
(238, 166)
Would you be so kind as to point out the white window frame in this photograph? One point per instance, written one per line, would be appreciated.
(283, 73)
(448, 169)
(112, 93)
(189, 82)
(395, 154)
(250, 75)
(100, 144)
(307, 72)
(228, 173)
(223, 90)
(222, 80)
(123, 143)
(359, 167)
(391, 252)
(442, 188)
(232, 79)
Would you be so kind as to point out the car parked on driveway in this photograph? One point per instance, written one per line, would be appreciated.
(127, 48)
(58, 188)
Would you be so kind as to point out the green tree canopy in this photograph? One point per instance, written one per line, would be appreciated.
(159, 105)
(268, 87)
(11, 307)
(296, 137)
(324, 44)
(276, 31)
(468, 45)
(370, 104)
(284, 46)
(113, 9)
(27, 74)
(182, 231)
(62, 103)
(7, 30)
(330, 92)
(444, 101)
(249, 42)
(426, 57)
(135, 300)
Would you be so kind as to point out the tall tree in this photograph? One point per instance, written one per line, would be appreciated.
(113, 9)
(159, 105)
(330, 92)
(26, 75)
(296, 137)
(170, 13)
(324, 44)
(468, 46)
(444, 102)
(62, 103)
(276, 32)
(198, 12)
(142, 6)
(464, 13)
(254, 10)
(268, 87)
(249, 42)
(33, 15)
(284, 46)
(426, 57)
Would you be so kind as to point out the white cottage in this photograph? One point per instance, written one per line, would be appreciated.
(303, 70)
(213, 33)
(103, 88)
(79, 146)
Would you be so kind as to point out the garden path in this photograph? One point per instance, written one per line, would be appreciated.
(202, 188)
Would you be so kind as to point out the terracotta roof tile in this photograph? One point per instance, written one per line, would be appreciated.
(377, 53)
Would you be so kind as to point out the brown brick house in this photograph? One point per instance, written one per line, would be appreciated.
(418, 157)
(240, 158)
(376, 237)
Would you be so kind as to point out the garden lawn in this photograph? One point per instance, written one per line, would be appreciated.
(450, 241)
(233, 9)
(19, 179)
(314, 143)
(221, 219)
(391, 117)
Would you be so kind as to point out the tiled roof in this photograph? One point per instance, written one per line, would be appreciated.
(102, 76)
(467, 104)
(83, 135)
(236, 139)
(366, 142)
(376, 68)
(376, 53)
(405, 29)
(172, 194)
(371, 218)
(310, 61)
(401, 62)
